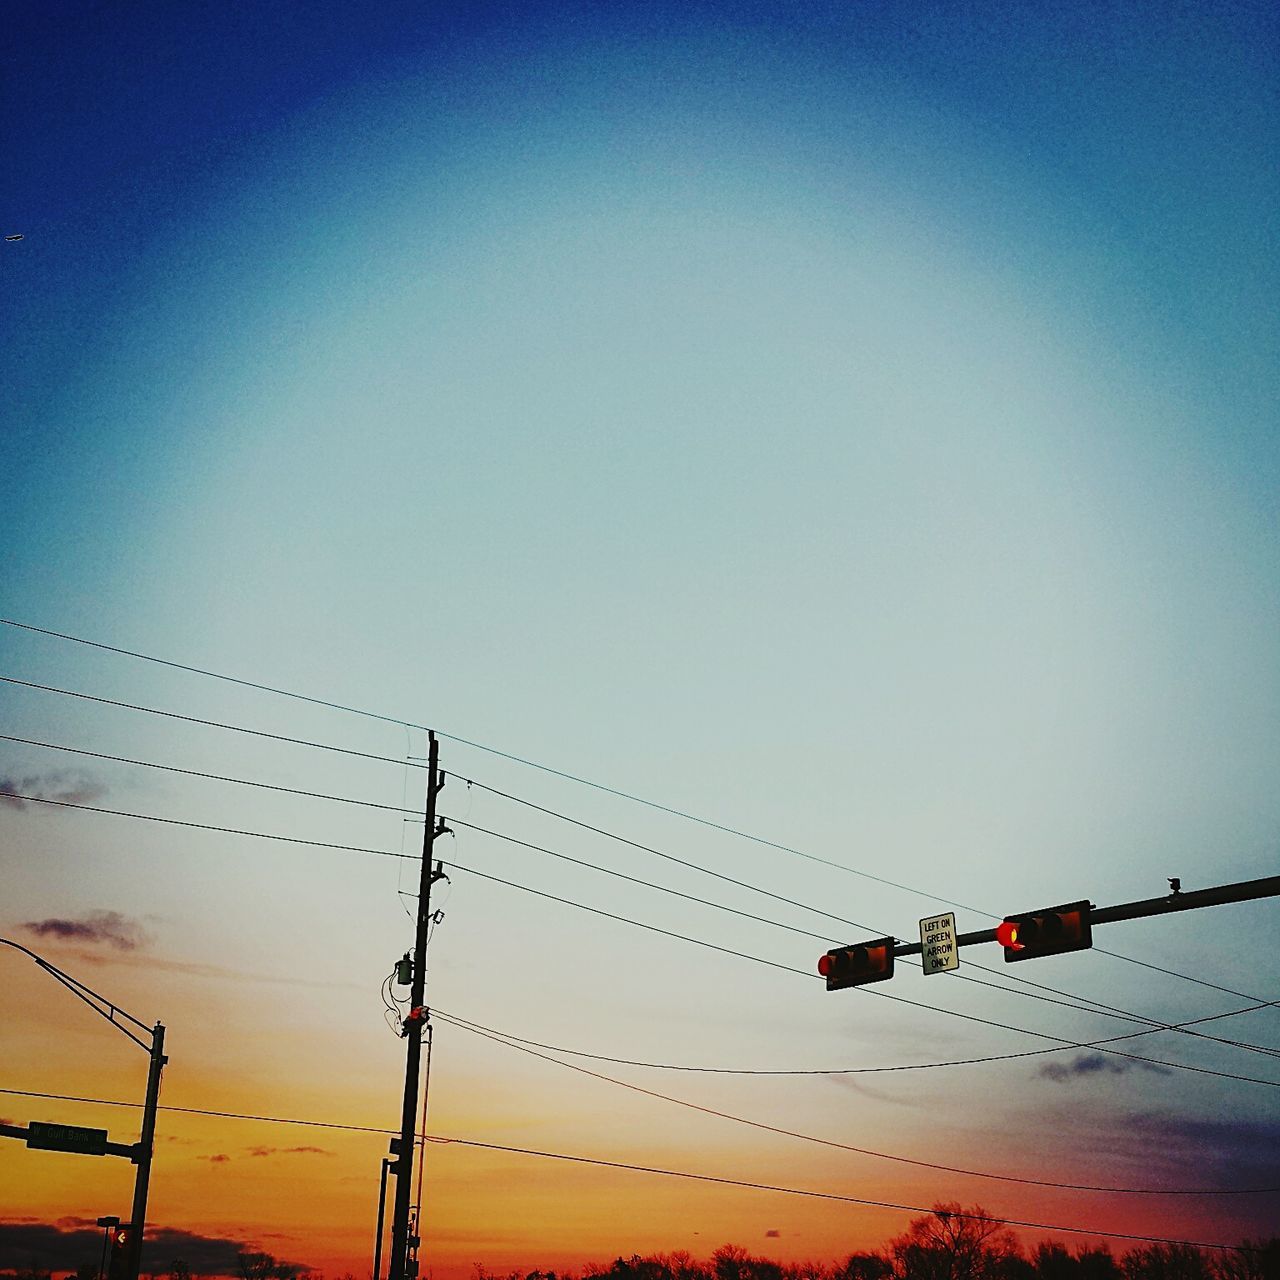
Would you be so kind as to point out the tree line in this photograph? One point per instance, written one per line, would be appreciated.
(949, 1243)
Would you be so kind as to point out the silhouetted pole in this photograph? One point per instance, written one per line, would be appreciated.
(382, 1205)
(399, 1268)
(140, 1152)
(146, 1145)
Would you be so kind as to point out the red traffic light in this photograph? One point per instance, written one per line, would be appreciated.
(1047, 932)
(858, 964)
(1007, 935)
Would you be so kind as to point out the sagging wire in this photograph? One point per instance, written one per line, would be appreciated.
(392, 1006)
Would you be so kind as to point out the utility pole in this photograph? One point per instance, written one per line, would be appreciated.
(400, 1267)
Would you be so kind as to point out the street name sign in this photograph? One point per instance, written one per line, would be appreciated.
(938, 947)
(67, 1137)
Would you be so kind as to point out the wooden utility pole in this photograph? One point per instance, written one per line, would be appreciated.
(401, 1267)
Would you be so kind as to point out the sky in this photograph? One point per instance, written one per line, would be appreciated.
(832, 447)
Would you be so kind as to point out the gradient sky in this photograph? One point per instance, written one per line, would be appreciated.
(854, 424)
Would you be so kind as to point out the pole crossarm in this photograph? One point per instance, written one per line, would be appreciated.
(95, 1000)
(1219, 895)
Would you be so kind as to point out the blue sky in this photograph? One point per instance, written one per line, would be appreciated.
(854, 424)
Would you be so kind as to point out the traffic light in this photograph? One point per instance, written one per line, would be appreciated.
(1046, 932)
(852, 966)
(118, 1267)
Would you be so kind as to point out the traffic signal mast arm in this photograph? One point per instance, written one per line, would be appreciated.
(1245, 891)
(1175, 900)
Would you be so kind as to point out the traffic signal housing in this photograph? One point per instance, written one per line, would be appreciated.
(853, 966)
(1046, 932)
(118, 1266)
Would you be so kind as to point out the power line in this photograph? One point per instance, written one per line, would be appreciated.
(636, 1168)
(209, 826)
(955, 1013)
(198, 1111)
(831, 1195)
(885, 995)
(1106, 1010)
(212, 777)
(829, 1071)
(211, 724)
(499, 1038)
(392, 808)
(648, 884)
(533, 764)
(1100, 1005)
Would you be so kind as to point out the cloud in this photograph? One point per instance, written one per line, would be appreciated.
(1228, 1154)
(866, 1091)
(69, 787)
(288, 1151)
(1092, 1064)
(221, 972)
(773, 1234)
(24, 1243)
(220, 1158)
(108, 928)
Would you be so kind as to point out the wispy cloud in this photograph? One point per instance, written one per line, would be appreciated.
(220, 1158)
(99, 928)
(72, 787)
(1094, 1064)
(222, 972)
(866, 1091)
(289, 1151)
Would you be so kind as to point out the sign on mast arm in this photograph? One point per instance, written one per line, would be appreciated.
(938, 948)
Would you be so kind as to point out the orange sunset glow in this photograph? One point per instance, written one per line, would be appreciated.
(806, 474)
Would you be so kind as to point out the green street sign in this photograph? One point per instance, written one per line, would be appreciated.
(67, 1137)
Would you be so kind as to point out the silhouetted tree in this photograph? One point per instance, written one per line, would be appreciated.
(262, 1266)
(863, 1266)
(1256, 1260)
(1098, 1264)
(952, 1243)
(1166, 1262)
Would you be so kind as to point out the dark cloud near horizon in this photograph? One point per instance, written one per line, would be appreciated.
(70, 787)
(1177, 1151)
(1093, 1064)
(108, 928)
(40, 1246)
(773, 1234)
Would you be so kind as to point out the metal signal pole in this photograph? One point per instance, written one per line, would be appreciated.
(146, 1147)
(400, 1266)
(139, 1152)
